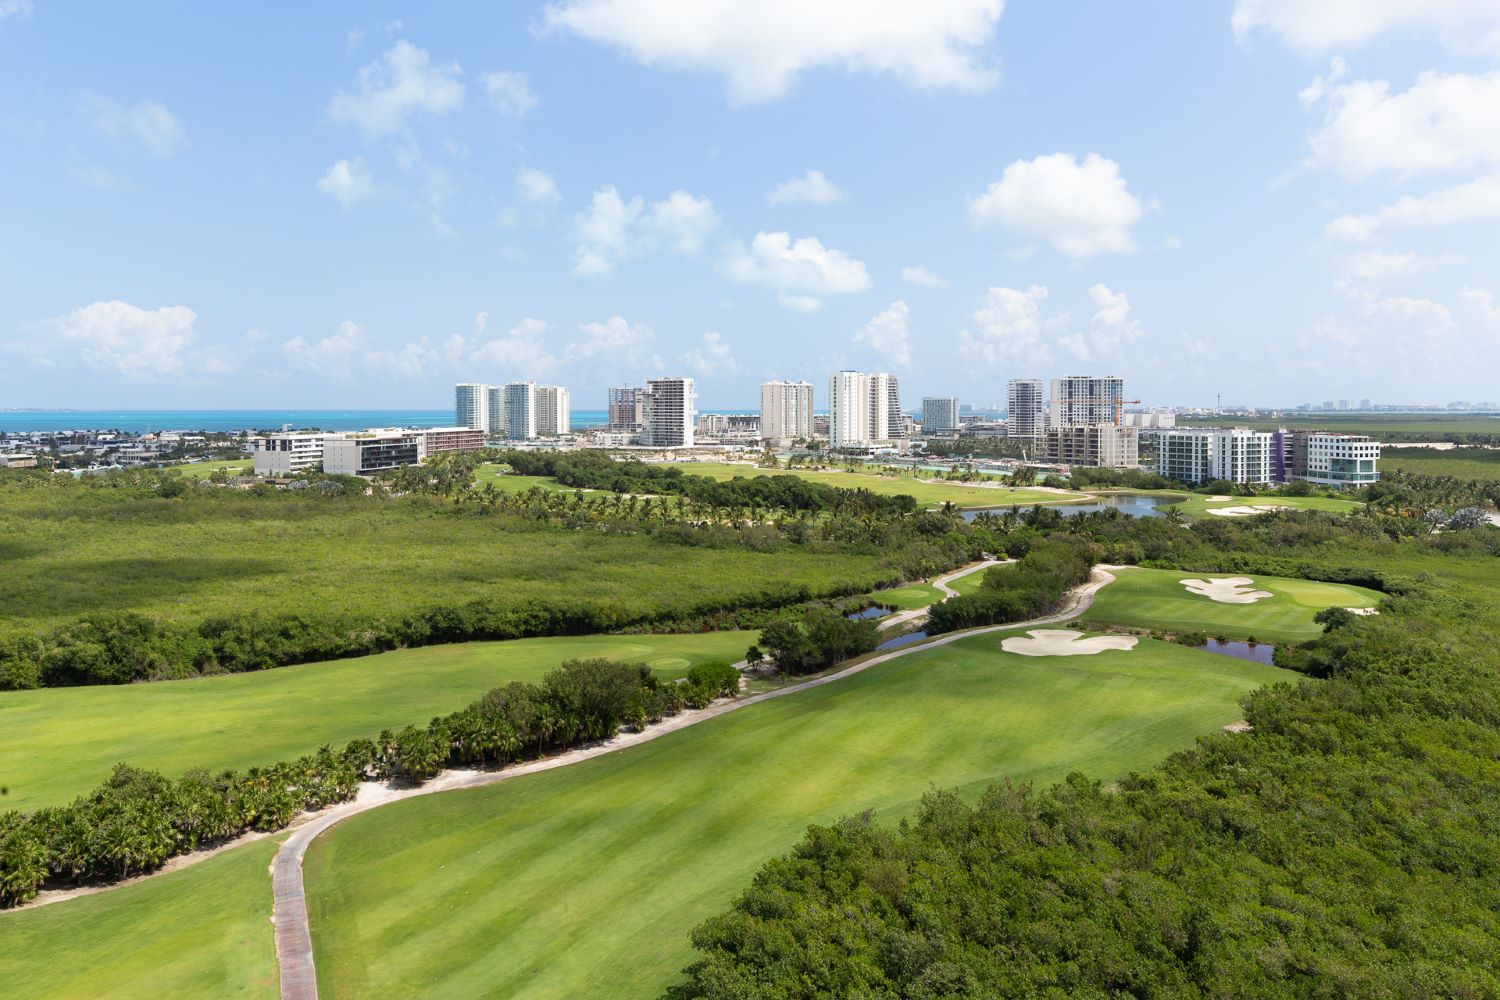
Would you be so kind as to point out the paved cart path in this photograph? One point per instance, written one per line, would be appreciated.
(294, 949)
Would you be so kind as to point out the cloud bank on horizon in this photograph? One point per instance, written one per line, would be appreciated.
(1298, 205)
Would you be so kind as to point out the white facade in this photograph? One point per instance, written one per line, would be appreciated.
(552, 413)
(671, 408)
(495, 397)
(471, 405)
(1086, 400)
(1201, 454)
(786, 410)
(365, 453)
(939, 414)
(1027, 416)
(520, 410)
(1341, 460)
(864, 409)
(286, 454)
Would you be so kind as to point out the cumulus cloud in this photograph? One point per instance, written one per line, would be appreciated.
(762, 47)
(391, 88)
(1464, 24)
(812, 188)
(613, 228)
(17, 10)
(127, 340)
(525, 347)
(799, 271)
(1007, 327)
(1081, 209)
(887, 334)
(149, 123)
(1443, 122)
(1468, 202)
(332, 356)
(1375, 264)
(918, 275)
(536, 186)
(712, 357)
(617, 343)
(510, 92)
(348, 182)
(1110, 329)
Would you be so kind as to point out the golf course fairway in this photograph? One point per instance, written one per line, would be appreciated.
(585, 881)
(58, 743)
(1157, 598)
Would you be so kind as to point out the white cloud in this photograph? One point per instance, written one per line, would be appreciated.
(1374, 264)
(616, 342)
(1320, 24)
(536, 186)
(1009, 327)
(20, 10)
(1080, 208)
(762, 47)
(812, 188)
(1444, 122)
(1110, 330)
(1482, 304)
(149, 123)
(348, 182)
(128, 340)
(799, 271)
(333, 356)
(919, 275)
(408, 361)
(887, 335)
(401, 81)
(1468, 202)
(712, 357)
(524, 348)
(509, 92)
(613, 228)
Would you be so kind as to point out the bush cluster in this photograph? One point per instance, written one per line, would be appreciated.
(1032, 586)
(817, 639)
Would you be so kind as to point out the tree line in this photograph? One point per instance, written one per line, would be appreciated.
(139, 819)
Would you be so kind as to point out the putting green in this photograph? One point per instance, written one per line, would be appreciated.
(57, 743)
(204, 931)
(585, 881)
(1156, 598)
(1197, 505)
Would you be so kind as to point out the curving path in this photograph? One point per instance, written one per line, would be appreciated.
(293, 935)
(941, 583)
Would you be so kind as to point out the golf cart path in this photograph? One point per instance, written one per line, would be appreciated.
(941, 583)
(294, 952)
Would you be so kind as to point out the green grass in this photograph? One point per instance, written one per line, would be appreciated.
(1156, 598)
(512, 483)
(69, 549)
(1413, 426)
(928, 494)
(1461, 463)
(204, 931)
(584, 881)
(60, 742)
(920, 595)
(1198, 505)
(202, 470)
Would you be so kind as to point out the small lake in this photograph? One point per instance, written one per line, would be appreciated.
(1133, 504)
(902, 640)
(1256, 652)
(875, 611)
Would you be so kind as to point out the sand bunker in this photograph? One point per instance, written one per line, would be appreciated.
(1064, 642)
(1363, 611)
(1230, 590)
(1246, 511)
(1219, 499)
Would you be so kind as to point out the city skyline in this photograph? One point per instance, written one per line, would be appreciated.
(421, 200)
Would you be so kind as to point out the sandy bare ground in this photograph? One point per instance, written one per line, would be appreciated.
(1219, 499)
(1238, 727)
(1064, 642)
(1248, 510)
(1363, 611)
(1229, 590)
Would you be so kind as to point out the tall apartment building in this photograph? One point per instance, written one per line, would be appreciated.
(520, 410)
(1101, 445)
(627, 409)
(1341, 460)
(1200, 454)
(1085, 423)
(471, 405)
(364, 453)
(552, 413)
(287, 453)
(1028, 408)
(1083, 400)
(864, 409)
(940, 414)
(669, 413)
(495, 402)
(786, 411)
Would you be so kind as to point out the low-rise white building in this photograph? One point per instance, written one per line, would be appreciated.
(364, 453)
(1341, 460)
(287, 453)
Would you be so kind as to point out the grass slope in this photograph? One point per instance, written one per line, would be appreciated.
(1156, 598)
(204, 931)
(584, 881)
(929, 494)
(59, 742)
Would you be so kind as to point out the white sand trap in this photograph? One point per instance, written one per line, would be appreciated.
(1363, 611)
(1238, 727)
(1230, 590)
(1219, 499)
(1064, 642)
(1246, 511)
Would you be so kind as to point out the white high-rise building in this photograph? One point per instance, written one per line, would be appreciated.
(863, 409)
(1086, 401)
(671, 409)
(496, 396)
(939, 414)
(471, 405)
(1027, 410)
(786, 410)
(520, 410)
(1199, 454)
(552, 416)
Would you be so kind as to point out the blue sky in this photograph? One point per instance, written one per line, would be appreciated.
(359, 204)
